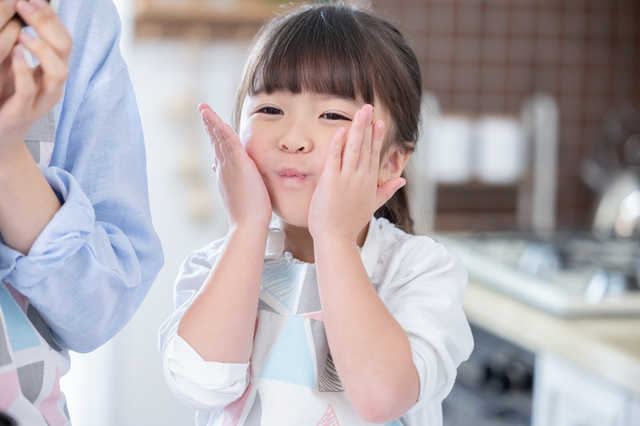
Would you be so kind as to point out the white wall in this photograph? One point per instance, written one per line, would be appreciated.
(122, 383)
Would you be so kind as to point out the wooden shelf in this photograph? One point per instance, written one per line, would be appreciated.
(204, 19)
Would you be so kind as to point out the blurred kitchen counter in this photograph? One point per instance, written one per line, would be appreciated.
(610, 347)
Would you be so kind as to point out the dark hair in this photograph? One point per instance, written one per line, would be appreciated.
(341, 51)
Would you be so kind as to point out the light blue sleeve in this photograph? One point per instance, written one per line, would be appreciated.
(92, 266)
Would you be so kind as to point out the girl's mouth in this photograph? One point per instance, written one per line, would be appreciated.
(291, 174)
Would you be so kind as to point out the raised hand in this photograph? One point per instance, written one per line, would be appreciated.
(347, 194)
(34, 91)
(9, 32)
(243, 191)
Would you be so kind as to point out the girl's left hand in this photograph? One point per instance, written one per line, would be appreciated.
(34, 91)
(347, 194)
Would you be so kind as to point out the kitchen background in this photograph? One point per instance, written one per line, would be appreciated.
(481, 60)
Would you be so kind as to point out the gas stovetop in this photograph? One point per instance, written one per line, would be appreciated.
(568, 275)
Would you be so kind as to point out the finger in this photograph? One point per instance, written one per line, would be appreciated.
(7, 11)
(208, 119)
(385, 191)
(39, 15)
(365, 147)
(354, 141)
(334, 152)
(233, 143)
(8, 37)
(25, 87)
(52, 70)
(376, 146)
(222, 135)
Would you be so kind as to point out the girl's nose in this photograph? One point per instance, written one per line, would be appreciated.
(295, 142)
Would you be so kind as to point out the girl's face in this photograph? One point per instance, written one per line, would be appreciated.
(287, 136)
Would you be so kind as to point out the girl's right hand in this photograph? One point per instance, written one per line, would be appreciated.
(243, 191)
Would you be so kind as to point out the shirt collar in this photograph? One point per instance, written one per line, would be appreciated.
(369, 251)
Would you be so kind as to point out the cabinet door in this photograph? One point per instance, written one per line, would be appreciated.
(634, 412)
(568, 395)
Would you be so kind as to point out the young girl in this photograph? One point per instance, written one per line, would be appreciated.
(327, 315)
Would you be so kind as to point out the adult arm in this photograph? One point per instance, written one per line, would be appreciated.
(93, 263)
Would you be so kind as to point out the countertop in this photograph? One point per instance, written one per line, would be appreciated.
(609, 347)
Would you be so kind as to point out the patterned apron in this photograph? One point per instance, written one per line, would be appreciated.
(31, 362)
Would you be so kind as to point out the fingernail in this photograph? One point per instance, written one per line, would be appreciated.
(25, 6)
(25, 37)
(382, 126)
(38, 3)
(362, 115)
(17, 53)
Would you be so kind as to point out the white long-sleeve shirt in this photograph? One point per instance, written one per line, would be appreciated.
(291, 379)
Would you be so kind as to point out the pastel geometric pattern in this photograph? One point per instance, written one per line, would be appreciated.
(42, 327)
(21, 332)
(233, 411)
(290, 358)
(278, 279)
(5, 356)
(31, 379)
(329, 380)
(309, 294)
(399, 422)
(254, 418)
(329, 418)
(49, 407)
(9, 390)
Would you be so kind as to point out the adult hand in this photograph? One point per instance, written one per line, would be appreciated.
(9, 32)
(35, 90)
(243, 191)
(347, 194)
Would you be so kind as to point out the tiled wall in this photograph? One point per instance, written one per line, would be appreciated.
(488, 55)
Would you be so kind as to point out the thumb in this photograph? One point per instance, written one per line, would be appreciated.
(387, 189)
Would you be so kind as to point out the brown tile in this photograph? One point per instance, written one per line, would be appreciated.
(465, 101)
(548, 23)
(494, 50)
(595, 108)
(622, 81)
(519, 79)
(491, 103)
(469, 19)
(572, 51)
(547, 51)
(522, 22)
(521, 50)
(598, 52)
(441, 19)
(599, 25)
(571, 108)
(597, 81)
(414, 17)
(465, 78)
(574, 23)
(467, 49)
(495, 21)
(571, 80)
(493, 78)
(546, 79)
(440, 48)
(438, 77)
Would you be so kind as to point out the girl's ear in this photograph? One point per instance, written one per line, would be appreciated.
(393, 164)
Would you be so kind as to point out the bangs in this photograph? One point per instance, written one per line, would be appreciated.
(319, 53)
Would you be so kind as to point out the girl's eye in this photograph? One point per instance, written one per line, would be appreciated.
(334, 116)
(271, 111)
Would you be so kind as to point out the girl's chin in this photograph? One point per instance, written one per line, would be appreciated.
(293, 219)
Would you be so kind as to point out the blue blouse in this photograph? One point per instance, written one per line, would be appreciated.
(93, 264)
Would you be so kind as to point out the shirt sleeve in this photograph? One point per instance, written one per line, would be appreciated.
(93, 264)
(205, 386)
(425, 297)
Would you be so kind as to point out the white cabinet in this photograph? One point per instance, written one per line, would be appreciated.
(634, 412)
(568, 395)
